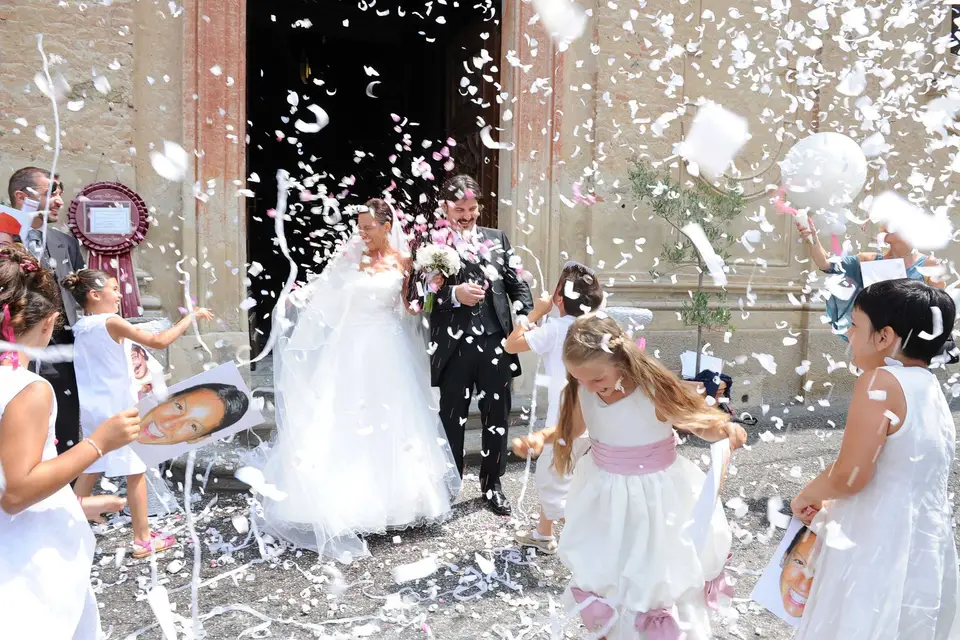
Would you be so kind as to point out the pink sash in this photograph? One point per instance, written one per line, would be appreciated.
(635, 461)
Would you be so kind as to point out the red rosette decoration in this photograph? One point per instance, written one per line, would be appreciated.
(96, 220)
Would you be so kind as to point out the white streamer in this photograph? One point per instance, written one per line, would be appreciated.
(56, 142)
(937, 319)
(283, 182)
(188, 301)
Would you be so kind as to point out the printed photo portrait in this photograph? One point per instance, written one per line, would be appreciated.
(785, 585)
(205, 408)
(146, 372)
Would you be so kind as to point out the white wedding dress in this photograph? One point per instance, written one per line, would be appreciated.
(359, 446)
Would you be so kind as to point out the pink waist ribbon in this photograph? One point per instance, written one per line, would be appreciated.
(635, 461)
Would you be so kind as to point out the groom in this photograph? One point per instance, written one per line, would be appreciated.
(470, 321)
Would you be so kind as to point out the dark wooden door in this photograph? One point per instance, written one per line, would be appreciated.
(467, 113)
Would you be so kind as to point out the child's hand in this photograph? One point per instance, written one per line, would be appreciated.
(805, 509)
(528, 446)
(202, 314)
(543, 305)
(95, 506)
(735, 434)
(118, 431)
(808, 233)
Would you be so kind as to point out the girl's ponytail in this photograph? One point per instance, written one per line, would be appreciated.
(563, 443)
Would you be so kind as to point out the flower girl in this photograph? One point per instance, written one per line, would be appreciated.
(634, 566)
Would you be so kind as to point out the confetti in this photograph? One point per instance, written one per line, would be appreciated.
(172, 163)
(715, 138)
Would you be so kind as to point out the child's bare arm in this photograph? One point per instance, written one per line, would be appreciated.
(869, 422)
(119, 329)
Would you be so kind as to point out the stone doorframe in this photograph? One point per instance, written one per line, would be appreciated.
(214, 94)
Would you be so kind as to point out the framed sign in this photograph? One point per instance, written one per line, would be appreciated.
(110, 219)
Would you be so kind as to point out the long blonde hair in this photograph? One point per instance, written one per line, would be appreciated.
(595, 336)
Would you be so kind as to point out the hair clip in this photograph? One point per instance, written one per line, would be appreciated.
(28, 267)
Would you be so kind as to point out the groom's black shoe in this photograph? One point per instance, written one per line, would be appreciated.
(498, 502)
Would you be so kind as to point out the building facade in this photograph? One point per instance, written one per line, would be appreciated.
(568, 114)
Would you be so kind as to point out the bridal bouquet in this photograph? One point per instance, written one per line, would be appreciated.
(435, 261)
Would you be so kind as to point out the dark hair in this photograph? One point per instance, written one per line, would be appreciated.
(136, 347)
(460, 187)
(379, 209)
(905, 306)
(588, 295)
(235, 402)
(81, 283)
(801, 535)
(23, 179)
(27, 291)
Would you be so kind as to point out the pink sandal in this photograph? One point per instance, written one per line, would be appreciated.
(156, 544)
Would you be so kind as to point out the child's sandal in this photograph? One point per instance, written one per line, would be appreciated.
(156, 544)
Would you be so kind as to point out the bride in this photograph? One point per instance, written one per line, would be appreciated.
(359, 446)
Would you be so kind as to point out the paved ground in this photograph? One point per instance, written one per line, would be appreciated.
(241, 596)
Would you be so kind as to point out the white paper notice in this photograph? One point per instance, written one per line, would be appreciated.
(706, 505)
(688, 362)
(875, 271)
(110, 220)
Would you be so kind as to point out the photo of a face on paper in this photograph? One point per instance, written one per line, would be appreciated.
(785, 585)
(146, 373)
(205, 408)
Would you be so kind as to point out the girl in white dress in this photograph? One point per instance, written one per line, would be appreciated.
(885, 559)
(635, 569)
(46, 546)
(105, 383)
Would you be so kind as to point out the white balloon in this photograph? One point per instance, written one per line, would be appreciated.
(823, 174)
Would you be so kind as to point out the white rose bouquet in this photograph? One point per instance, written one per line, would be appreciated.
(436, 262)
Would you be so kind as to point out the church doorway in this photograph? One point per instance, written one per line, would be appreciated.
(397, 79)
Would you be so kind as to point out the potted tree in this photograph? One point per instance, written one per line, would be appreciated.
(678, 205)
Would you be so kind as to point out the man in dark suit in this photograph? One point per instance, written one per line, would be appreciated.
(469, 323)
(61, 254)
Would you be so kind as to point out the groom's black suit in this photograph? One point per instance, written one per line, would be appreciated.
(469, 355)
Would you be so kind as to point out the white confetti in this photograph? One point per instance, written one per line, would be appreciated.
(254, 477)
(102, 84)
(767, 362)
(713, 262)
(172, 163)
(564, 20)
(486, 566)
(853, 81)
(836, 538)
(490, 143)
(415, 570)
(937, 319)
(715, 138)
(313, 127)
(924, 231)
(739, 507)
(241, 524)
(75, 105)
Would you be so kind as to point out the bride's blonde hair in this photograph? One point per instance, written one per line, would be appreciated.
(597, 337)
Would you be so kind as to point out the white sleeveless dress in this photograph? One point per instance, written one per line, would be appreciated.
(626, 538)
(104, 387)
(359, 446)
(899, 579)
(46, 553)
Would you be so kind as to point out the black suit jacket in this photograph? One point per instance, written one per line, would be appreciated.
(66, 257)
(450, 324)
